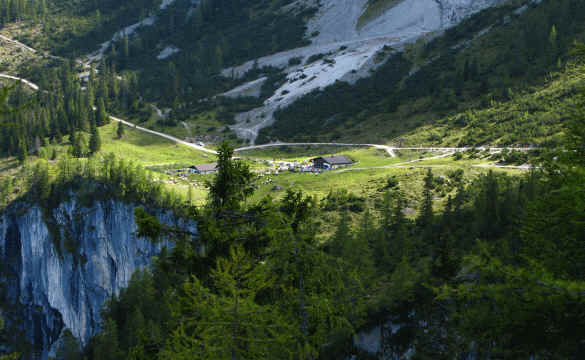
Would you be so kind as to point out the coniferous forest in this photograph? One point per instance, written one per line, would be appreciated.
(496, 273)
(472, 250)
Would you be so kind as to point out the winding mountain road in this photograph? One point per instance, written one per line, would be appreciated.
(169, 137)
(389, 149)
(24, 81)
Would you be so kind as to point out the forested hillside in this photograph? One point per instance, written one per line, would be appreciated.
(63, 111)
(70, 28)
(177, 55)
(495, 273)
(490, 57)
(174, 50)
(216, 35)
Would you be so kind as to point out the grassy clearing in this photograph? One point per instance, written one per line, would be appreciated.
(149, 149)
(365, 156)
(201, 126)
(158, 154)
(13, 58)
(375, 9)
(371, 184)
(369, 177)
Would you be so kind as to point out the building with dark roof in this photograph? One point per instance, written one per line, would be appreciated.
(203, 169)
(331, 162)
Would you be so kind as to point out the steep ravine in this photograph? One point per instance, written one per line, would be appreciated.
(61, 271)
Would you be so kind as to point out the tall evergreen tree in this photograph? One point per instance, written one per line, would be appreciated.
(358, 251)
(120, 130)
(232, 184)
(425, 216)
(342, 238)
(228, 323)
(22, 150)
(95, 142)
(445, 260)
(102, 116)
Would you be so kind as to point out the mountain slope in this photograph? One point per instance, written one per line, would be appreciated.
(349, 52)
(487, 57)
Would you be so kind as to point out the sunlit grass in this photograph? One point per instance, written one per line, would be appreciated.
(148, 149)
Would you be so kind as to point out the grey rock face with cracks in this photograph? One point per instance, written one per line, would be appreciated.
(62, 267)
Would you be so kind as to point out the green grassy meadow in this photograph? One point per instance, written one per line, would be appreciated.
(367, 178)
(148, 149)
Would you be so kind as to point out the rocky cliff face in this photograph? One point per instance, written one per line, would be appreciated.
(61, 267)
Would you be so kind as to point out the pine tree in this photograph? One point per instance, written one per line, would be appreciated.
(120, 130)
(37, 146)
(342, 238)
(102, 116)
(225, 321)
(488, 208)
(78, 144)
(359, 251)
(232, 184)
(553, 43)
(381, 242)
(40, 184)
(399, 243)
(22, 151)
(70, 348)
(125, 47)
(106, 345)
(425, 217)
(445, 261)
(95, 142)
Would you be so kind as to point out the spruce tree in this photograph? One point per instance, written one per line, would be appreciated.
(425, 216)
(445, 261)
(79, 145)
(225, 321)
(106, 345)
(342, 238)
(232, 184)
(22, 151)
(381, 242)
(400, 245)
(95, 142)
(70, 348)
(359, 251)
(120, 130)
(125, 48)
(102, 116)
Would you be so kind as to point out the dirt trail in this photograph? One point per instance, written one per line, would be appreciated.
(169, 137)
(26, 82)
(17, 43)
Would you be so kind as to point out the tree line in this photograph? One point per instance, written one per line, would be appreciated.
(18, 10)
(65, 110)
